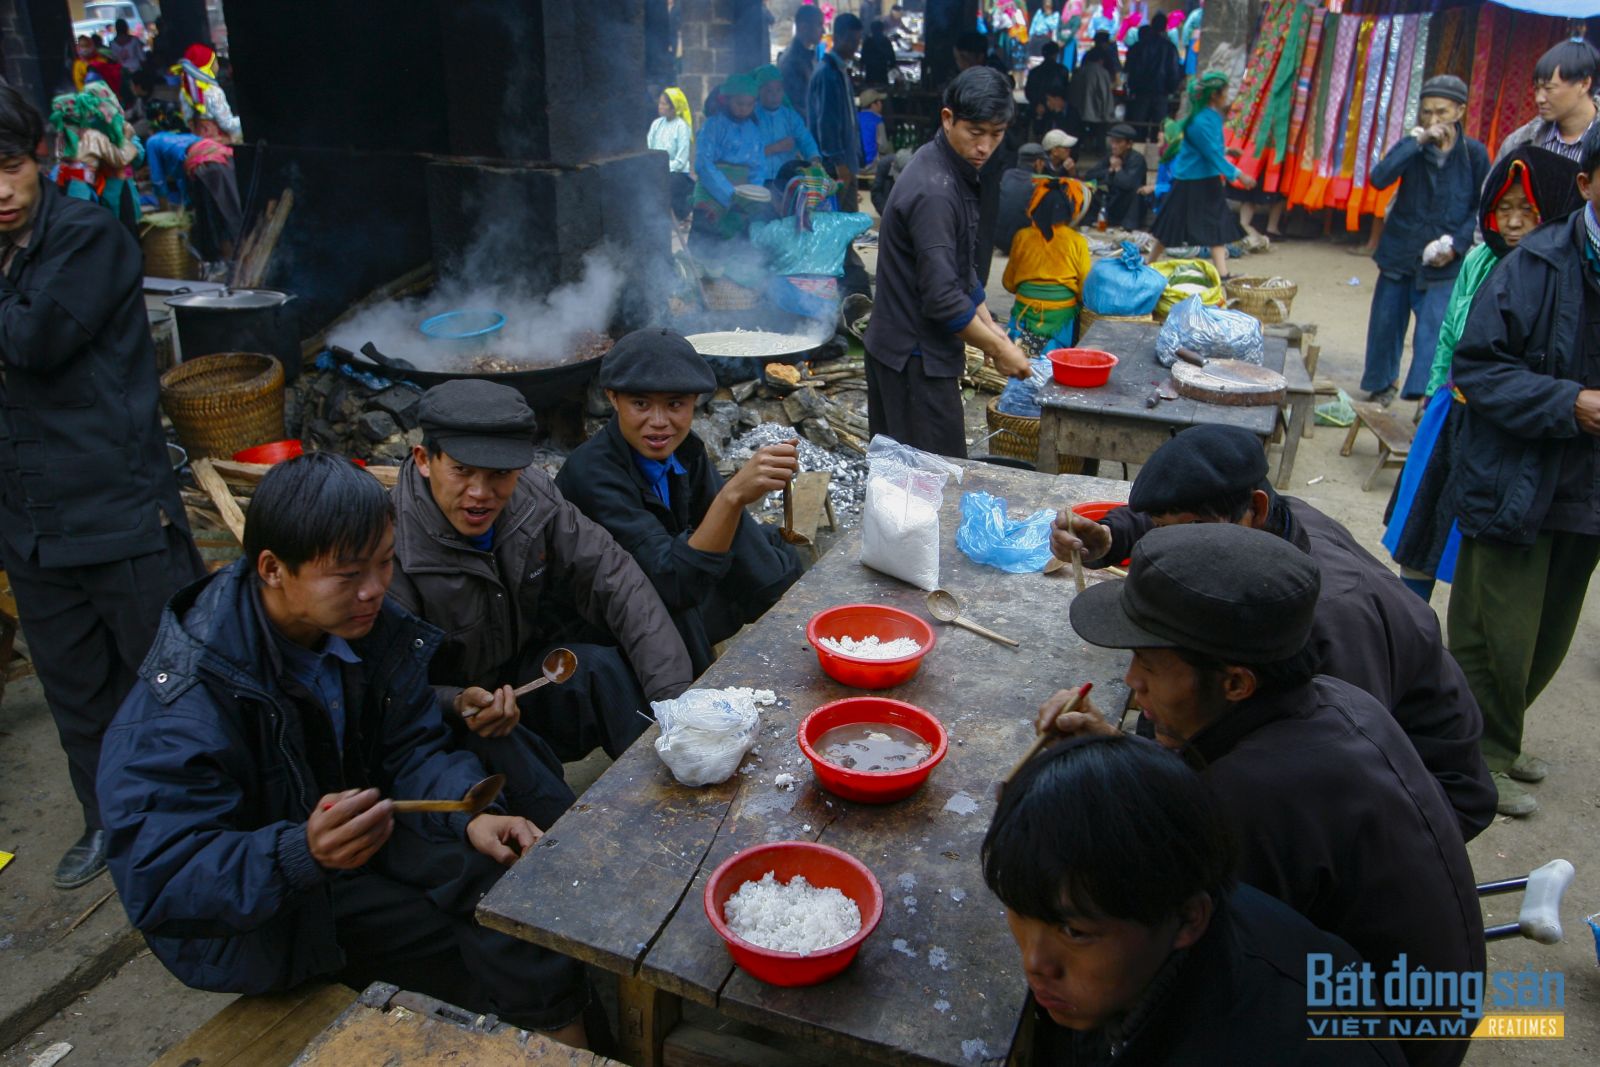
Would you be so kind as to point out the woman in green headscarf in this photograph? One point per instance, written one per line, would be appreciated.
(96, 145)
(783, 127)
(730, 150)
(1196, 211)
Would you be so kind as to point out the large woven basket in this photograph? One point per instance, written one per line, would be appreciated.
(1017, 437)
(165, 238)
(1087, 318)
(224, 403)
(723, 295)
(1253, 296)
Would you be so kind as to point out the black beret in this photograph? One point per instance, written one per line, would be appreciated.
(479, 423)
(1241, 595)
(1197, 467)
(656, 361)
(1123, 131)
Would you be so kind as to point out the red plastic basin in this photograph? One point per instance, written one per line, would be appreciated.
(271, 452)
(1099, 509)
(822, 866)
(1081, 367)
(868, 620)
(872, 787)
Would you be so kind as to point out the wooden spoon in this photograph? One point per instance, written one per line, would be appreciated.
(478, 797)
(558, 667)
(1045, 737)
(943, 605)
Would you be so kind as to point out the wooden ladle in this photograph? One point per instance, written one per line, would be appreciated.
(560, 665)
(943, 605)
(478, 797)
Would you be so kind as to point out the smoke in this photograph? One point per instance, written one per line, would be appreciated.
(540, 330)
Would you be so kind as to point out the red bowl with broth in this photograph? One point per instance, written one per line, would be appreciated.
(872, 787)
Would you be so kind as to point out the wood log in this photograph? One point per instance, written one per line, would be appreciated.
(208, 479)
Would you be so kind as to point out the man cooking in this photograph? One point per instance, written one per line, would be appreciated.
(647, 479)
(1369, 630)
(92, 530)
(1333, 812)
(492, 554)
(930, 300)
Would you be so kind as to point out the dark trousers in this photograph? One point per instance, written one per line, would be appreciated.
(88, 629)
(1146, 113)
(1394, 300)
(679, 188)
(915, 409)
(407, 918)
(536, 788)
(1512, 615)
(600, 706)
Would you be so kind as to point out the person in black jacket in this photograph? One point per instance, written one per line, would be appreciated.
(1334, 813)
(877, 56)
(1119, 177)
(1523, 482)
(92, 531)
(1048, 79)
(1369, 629)
(646, 479)
(247, 780)
(1116, 872)
(930, 299)
(1154, 74)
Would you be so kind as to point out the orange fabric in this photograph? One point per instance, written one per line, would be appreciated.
(1062, 260)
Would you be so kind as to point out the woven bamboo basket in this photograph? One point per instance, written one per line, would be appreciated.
(1087, 318)
(224, 403)
(723, 295)
(1268, 303)
(1017, 437)
(165, 238)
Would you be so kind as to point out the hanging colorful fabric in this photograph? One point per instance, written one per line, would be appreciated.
(1274, 130)
(1363, 197)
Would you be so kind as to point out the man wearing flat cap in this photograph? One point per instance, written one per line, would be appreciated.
(491, 553)
(647, 479)
(1118, 178)
(1441, 172)
(1368, 629)
(1334, 813)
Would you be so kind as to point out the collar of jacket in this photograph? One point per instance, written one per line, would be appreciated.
(426, 543)
(213, 628)
(962, 169)
(690, 454)
(1557, 241)
(1221, 737)
(45, 208)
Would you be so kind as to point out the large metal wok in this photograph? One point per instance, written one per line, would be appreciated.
(733, 369)
(544, 387)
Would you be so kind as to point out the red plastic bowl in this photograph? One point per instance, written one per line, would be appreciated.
(1082, 367)
(272, 452)
(868, 620)
(872, 787)
(822, 866)
(1099, 509)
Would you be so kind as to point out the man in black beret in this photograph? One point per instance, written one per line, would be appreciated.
(1118, 179)
(1369, 630)
(491, 553)
(1334, 813)
(647, 479)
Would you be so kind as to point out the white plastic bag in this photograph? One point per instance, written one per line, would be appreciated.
(705, 733)
(900, 520)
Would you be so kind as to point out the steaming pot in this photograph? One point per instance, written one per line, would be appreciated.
(238, 320)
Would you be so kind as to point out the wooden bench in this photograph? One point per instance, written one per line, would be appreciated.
(1393, 434)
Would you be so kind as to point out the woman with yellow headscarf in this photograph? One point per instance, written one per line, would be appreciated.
(673, 133)
(1049, 262)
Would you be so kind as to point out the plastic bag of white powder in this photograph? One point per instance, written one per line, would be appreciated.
(900, 520)
(705, 733)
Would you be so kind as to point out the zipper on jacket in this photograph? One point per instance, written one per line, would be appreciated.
(280, 729)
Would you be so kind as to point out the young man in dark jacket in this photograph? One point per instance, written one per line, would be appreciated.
(1523, 481)
(646, 479)
(1334, 813)
(247, 782)
(92, 531)
(1119, 177)
(1116, 872)
(1369, 630)
(930, 300)
(491, 553)
(831, 109)
(1441, 171)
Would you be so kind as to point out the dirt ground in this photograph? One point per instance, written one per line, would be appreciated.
(139, 1011)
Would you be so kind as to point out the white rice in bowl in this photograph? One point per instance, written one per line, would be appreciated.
(793, 916)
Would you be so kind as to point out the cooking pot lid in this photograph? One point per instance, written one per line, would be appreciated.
(230, 299)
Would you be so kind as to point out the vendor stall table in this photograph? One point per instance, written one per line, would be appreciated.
(617, 882)
(1114, 421)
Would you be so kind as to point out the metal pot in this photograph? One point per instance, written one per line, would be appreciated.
(238, 320)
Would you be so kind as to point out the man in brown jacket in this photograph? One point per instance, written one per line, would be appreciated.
(491, 553)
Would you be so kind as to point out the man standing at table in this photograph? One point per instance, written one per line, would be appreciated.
(930, 301)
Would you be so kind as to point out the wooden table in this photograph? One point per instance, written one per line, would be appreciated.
(617, 882)
(1113, 421)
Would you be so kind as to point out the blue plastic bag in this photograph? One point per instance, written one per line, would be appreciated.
(1020, 397)
(1123, 286)
(1017, 546)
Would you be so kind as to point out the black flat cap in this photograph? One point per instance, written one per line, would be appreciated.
(1241, 595)
(1123, 131)
(1445, 86)
(1197, 466)
(479, 423)
(656, 361)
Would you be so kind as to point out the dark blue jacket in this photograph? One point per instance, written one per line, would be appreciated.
(1432, 201)
(1520, 364)
(211, 768)
(831, 114)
